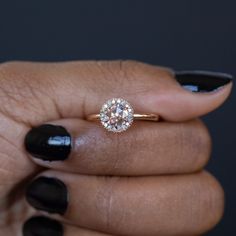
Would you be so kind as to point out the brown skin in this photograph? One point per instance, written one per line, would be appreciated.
(145, 145)
(166, 193)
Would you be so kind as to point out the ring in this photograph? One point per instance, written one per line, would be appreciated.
(117, 115)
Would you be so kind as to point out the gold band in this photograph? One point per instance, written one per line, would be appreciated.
(150, 117)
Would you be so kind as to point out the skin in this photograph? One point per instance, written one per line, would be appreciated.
(148, 180)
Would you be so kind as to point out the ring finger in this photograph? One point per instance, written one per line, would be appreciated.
(163, 205)
(41, 225)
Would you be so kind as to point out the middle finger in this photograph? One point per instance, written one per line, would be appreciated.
(152, 148)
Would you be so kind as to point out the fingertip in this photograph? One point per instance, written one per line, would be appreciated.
(180, 104)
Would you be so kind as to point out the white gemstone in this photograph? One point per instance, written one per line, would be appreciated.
(116, 115)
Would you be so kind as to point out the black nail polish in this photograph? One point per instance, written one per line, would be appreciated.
(48, 194)
(202, 81)
(42, 226)
(48, 142)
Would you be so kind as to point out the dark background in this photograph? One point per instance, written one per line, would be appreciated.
(183, 34)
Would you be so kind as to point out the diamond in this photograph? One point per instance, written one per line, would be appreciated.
(116, 115)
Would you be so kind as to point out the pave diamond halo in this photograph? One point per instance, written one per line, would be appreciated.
(116, 115)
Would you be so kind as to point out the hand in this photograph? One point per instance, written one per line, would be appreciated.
(147, 180)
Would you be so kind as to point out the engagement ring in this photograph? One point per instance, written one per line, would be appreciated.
(117, 115)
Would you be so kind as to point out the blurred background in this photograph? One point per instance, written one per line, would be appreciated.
(183, 34)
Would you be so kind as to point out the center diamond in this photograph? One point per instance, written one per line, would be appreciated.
(116, 115)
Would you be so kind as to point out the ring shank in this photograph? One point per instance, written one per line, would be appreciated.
(150, 117)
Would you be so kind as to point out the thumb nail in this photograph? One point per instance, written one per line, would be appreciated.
(202, 81)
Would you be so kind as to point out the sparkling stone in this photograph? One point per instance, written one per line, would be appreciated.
(116, 115)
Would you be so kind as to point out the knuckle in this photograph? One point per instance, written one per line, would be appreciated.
(100, 152)
(107, 203)
(119, 71)
(195, 140)
(135, 69)
(203, 143)
(212, 202)
(127, 74)
(131, 64)
(120, 162)
(204, 134)
(147, 70)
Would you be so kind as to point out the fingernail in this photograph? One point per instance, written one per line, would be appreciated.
(48, 142)
(202, 81)
(48, 194)
(42, 226)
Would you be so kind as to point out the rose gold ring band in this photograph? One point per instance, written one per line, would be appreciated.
(149, 117)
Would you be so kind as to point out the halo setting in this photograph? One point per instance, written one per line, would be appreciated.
(116, 115)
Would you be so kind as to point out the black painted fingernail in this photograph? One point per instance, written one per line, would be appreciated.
(48, 142)
(202, 81)
(48, 194)
(42, 226)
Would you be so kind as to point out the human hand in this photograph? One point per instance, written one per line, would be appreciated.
(147, 180)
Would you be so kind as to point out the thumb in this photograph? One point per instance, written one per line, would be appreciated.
(200, 93)
(53, 91)
(149, 89)
(175, 96)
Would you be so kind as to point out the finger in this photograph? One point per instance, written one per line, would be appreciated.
(77, 89)
(77, 231)
(149, 149)
(44, 226)
(164, 205)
